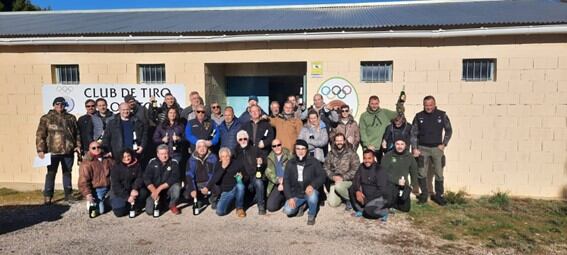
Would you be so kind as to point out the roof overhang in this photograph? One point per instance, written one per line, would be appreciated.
(306, 36)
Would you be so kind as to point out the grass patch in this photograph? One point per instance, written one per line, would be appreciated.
(14, 197)
(498, 221)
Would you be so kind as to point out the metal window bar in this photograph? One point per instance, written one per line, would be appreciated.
(478, 69)
(376, 71)
(152, 74)
(67, 74)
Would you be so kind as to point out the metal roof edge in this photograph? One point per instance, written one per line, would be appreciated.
(482, 31)
(265, 7)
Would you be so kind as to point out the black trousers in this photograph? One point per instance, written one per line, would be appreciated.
(276, 200)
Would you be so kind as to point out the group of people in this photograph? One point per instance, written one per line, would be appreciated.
(296, 157)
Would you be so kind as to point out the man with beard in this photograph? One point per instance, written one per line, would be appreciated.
(287, 126)
(341, 165)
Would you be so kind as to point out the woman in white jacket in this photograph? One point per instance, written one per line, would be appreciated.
(314, 132)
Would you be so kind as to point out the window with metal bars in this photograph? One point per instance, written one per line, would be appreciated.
(376, 71)
(151, 73)
(479, 69)
(65, 74)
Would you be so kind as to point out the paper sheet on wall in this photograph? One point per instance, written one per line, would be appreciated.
(39, 162)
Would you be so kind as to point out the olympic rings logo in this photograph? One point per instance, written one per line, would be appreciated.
(64, 89)
(336, 91)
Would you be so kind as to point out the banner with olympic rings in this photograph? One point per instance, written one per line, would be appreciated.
(338, 91)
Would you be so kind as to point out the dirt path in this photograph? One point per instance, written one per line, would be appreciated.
(68, 230)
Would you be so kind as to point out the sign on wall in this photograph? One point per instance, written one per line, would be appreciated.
(76, 95)
(338, 91)
(316, 68)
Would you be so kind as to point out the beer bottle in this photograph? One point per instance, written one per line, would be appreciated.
(135, 145)
(156, 208)
(174, 143)
(195, 206)
(92, 209)
(258, 173)
(132, 212)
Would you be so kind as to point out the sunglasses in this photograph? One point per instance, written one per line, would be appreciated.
(242, 139)
(345, 110)
(276, 145)
(95, 148)
(59, 103)
(200, 111)
(90, 106)
(215, 106)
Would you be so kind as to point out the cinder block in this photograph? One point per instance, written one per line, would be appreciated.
(507, 98)
(520, 110)
(539, 179)
(541, 156)
(493, 179)
(529, 146)
(426, 64)
(555, 122)
(516, 179)
(532, 98)
(521, 63)
(460, 98)
(544, 110)
(483, 98)
(450, 63)
(495, 110)
(41, 69)
(556, 98)
(542, 134)
(107, 78)
(556, 75)
(562, 86)
(545, 86)
(562, 62)
(504, 166)
(415, 76)
(449, 87)
(552, 146)
(559, 134)
(518, 156)
(116, 68)
(545, 62)
(532, 75)
(517, 133)
(98, 68)
(23, 69)
(438, 76)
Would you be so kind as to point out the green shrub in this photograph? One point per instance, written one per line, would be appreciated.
(456, 198)
(499, 199)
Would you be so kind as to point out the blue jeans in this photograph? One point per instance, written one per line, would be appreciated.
(66, 165)
(99, 198)
(312, 203)
(257, 186)
(225, 202)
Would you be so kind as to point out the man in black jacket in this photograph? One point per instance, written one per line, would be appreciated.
(428, 142)
(85, 125)
(161, 178)
(125, 131)
(303, 176)
(374, 193)
(259, 131)
(251, 158)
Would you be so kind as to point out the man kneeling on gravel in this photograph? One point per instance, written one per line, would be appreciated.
(303, 176)
(374, 193)
(162, 180)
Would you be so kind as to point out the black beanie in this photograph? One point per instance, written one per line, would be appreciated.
(301, 142)
(58, 100)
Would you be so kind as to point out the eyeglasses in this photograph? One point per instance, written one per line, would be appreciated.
(95, 148)
(215, 106)
(242, 139)
(200, 111)
(276, 145)
(90, 105)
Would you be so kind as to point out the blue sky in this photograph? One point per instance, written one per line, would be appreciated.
(128, 4)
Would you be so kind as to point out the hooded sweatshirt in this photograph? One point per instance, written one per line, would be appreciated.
(373, 125)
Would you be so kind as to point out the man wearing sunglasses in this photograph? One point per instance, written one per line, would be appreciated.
(57, 133)
(201, 128)
(85, 125)
(94, 176)
(216, 113)
(276, 163)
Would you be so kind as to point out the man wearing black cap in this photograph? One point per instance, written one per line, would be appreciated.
(139, 111)
(303, 176)
(245, 116)
(57, 133)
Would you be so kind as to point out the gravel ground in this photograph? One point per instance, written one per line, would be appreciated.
(65, 229)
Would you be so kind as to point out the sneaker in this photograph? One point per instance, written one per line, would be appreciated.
(311, 220)
(240, 213)
(214, 205)
(357, 214)
(348, 206)
(301, 210)
(439, 199)
(47, 200)
(384, 218)
(174, 210)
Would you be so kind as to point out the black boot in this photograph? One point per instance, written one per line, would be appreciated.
(439, 191)
(422, 198)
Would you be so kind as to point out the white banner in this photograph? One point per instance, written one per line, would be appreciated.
(76, 95)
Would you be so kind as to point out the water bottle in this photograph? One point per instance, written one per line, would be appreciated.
(195, 206)
(156, 209)
(132, 212)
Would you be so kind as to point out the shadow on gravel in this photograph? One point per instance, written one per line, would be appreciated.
(16, 217)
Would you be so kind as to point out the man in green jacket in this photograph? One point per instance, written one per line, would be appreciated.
(277, 159)
(399, 163)
(373, 124)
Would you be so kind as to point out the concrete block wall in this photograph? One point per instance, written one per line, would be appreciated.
(509, 134)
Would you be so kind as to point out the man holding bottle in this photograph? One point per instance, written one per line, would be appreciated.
(125, 131)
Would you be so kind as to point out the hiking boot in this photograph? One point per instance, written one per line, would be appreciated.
(311, 220)
(69, 198)
(422, 199)
(47, 200)
(301, 210)
(214, 205)
(439, 199)
(261, 210)
(174, 210)
(240, 213)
